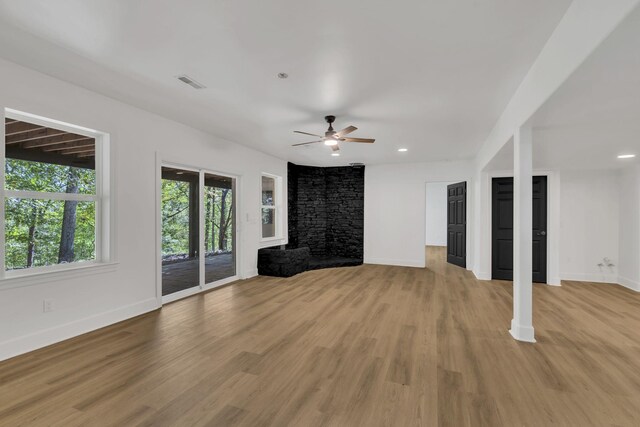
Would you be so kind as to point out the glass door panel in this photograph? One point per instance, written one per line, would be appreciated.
(219, 227)
(180, 230)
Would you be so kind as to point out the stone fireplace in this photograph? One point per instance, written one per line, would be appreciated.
(326, 215)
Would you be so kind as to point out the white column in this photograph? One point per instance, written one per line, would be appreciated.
(522, 323)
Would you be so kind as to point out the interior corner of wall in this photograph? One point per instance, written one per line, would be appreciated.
(630, 284)
(481, 275)
(248, 274)
(554, 281)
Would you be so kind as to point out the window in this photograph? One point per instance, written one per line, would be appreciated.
(270, 211)
(53, 211)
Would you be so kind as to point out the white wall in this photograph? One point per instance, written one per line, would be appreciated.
(394, 210)
(629, 236)
(589, 219)
(436, 213)
(129, 288)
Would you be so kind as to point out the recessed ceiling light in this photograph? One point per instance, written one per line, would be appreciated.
(626, 156)
(335, 154)
(283, 75)
(402, 150)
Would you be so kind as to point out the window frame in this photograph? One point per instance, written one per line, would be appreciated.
(102, 198)
(276, 207)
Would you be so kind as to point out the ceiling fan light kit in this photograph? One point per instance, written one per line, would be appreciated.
(331, 138)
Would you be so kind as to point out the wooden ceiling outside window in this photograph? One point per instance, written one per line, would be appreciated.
(28, 141)
(210, 180)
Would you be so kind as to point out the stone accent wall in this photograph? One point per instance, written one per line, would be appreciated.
(345, 211)
(326, 210)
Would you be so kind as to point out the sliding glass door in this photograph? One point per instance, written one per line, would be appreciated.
(219, 228)
(198, 224)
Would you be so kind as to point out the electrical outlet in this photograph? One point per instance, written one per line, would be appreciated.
(47, 305)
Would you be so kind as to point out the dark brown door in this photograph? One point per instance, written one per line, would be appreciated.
(502, 229)
(457, 224)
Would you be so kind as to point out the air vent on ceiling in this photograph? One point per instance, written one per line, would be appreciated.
(188, 80)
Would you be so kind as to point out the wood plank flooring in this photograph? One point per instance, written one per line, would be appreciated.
(360, 346)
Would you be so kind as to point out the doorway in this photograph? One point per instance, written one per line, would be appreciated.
(457, 224)
(197, 231)
(502, 229)
(446, 222)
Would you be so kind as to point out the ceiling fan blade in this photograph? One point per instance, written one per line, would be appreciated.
(335, 147)
(369, 140)
(305, 143)
(345, 131)
(307, 133)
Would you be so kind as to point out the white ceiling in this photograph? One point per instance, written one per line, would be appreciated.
(595, 115)
(432, 76)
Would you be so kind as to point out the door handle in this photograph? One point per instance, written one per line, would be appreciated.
(542, 233)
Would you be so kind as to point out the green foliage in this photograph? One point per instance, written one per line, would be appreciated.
(33, 227)
(46, 218)
(215, 219)
(175, 219)
(35, 176)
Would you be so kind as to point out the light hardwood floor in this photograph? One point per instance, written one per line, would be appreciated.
(360, 346)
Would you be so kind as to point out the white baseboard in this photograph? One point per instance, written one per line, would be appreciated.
(396, 262)
(628, 283)
(250, 273)
(554, 281)
(63, 332)
(481, 275)
(521, 332)
(604, 278)
(597, 278)
(487, 276)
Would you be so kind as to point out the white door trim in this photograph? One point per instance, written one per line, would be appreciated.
(202, 286)
(553, 222)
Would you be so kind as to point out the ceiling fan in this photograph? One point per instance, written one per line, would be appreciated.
(332, 138)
